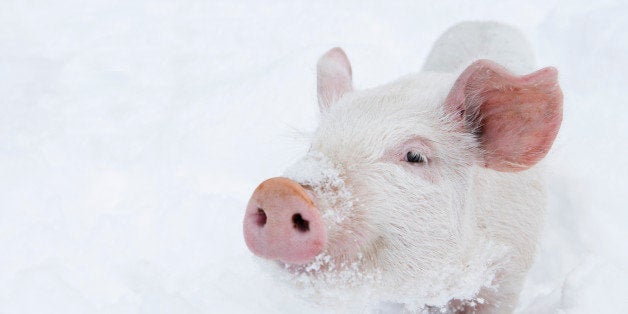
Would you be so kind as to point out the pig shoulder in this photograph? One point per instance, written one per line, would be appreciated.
(466, 42)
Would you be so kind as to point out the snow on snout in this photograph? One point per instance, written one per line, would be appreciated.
(323, 178)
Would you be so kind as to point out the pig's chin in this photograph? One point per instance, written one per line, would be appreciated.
(328, 277)
(323, 265)
(328, 280)
(326, 270)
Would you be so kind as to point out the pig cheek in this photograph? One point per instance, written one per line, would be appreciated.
(428, 173)
(365, 231)
(348, 237)
(405, 224)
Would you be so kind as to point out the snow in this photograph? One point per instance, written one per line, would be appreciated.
(132, 134)
(318, 172)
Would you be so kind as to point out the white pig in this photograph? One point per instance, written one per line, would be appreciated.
(425, 190)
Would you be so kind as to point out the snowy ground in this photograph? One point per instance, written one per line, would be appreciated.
(133, 132)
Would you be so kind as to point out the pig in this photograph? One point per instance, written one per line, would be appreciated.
(428, 191)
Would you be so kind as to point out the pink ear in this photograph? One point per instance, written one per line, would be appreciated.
(333, 77)
(516, 117)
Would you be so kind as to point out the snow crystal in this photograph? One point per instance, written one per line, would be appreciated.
(318, 172)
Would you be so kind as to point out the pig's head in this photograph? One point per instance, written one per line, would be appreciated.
(383, 193)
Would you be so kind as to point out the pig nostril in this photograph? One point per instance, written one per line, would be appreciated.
(261, 217)
(300, 224)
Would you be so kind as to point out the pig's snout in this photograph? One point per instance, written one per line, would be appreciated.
(282, 222)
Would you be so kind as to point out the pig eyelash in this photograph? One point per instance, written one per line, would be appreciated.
(416, 158)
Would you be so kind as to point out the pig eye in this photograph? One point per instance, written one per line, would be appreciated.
(415, 158)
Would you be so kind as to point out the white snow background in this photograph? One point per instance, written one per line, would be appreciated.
(133, 132)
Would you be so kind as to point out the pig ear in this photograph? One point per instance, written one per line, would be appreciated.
(515, 117)
(333, 77)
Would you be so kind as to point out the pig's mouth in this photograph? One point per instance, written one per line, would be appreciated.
(326, 271)
(345, 260)
(321, 264)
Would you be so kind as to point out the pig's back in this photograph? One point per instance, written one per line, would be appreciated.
(466, 42)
